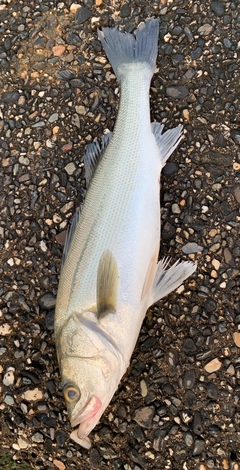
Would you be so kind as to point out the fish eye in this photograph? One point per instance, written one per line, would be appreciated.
(71, 393)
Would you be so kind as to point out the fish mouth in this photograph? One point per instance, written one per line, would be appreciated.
(85, 417)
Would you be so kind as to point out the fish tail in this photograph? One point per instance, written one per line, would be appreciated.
(123, 49)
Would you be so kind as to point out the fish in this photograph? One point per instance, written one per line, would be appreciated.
(110, 272)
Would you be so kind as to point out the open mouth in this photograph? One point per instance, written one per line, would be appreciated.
(85, 417)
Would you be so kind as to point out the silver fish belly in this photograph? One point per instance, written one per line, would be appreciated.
(110, 273)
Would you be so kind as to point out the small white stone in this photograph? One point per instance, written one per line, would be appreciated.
(32, 395)
(70, 168)
(5, 329)
(9, 378)
(43, 246)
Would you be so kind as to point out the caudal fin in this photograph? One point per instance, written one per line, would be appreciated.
(125, 48)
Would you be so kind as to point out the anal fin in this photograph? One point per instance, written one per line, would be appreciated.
(167, 280)
(166, 142)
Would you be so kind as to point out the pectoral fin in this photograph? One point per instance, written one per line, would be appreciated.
(167, 280)
(107, 284)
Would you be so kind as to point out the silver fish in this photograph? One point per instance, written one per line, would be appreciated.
(110, 273)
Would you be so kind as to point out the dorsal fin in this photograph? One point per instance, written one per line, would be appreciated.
(107, 284)
(166, 142)
(93, 154)
(69, 235)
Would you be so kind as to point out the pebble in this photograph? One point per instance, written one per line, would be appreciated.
(53, 117)
(58, 50)
(82, 15)
(189, 379)
(47, 301)
(199, 446)
(217, 7)
(144, 416)
(177, 91)
(213, 365)
(189, 347)
(236, 338)
(9, 378)
(197, 423)
(59, 464)
(190, 248)
(205, 29)
(9, 400)
(70, 168)
(23, 443)
(37, 437)
(32, 395)
(176, 209)
(170, 168)
(125, 11)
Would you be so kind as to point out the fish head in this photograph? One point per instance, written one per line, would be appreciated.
(91, 368)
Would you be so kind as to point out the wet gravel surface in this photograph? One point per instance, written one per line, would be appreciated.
(178, 407)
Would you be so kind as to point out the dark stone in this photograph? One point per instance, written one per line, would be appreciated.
(217, 8)
(167, 388)
(197, 423)
(49, 421)
(73, 39)
(216, 159)
(170, 168)
(177, 91)
(61, 437)
(235, 134)
(148, 344)
(47, 301)
(196, 53)
(135, 431)
(210, 305)
(189, 399)
(138, 368)
(95, 458)
(51, 387)
(199, 446)
(106, 434)
(189, 347)
(177, 58)
(82, 15)
(168, 231)
(66, 74)
(189, 379)
(50, 320)
(7, 43)
(144, 416)
(31, 376)
(214, 430)
(125, 11)
(76, 83)
(9, 97)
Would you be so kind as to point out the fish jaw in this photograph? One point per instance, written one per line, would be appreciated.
(88, 417)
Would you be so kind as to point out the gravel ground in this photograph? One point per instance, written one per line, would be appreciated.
(178, 407)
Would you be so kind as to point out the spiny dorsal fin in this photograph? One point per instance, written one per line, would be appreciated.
(92, 155)
(107, 284)
(166, 142)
